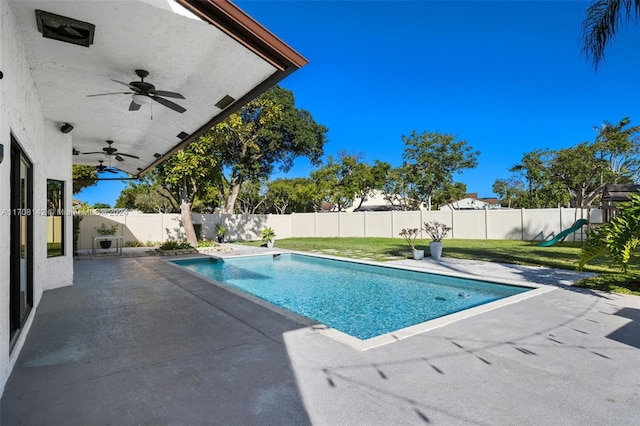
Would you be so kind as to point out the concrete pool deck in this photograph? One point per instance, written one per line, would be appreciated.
(137, 341)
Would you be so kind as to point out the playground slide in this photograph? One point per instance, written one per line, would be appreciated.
(561, 236)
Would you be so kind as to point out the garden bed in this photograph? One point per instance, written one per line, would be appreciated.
(193, 250)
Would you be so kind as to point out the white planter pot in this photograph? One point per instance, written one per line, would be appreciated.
(270, 243)
(418, 254)
(436, 249)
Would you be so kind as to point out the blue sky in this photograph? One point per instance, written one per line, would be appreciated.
(506, 76)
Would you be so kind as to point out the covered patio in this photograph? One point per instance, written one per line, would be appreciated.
(136, 340)
(117, 86)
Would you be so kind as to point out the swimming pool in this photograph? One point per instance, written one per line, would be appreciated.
(361, 300)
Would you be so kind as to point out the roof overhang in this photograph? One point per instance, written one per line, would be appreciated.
(207, 51)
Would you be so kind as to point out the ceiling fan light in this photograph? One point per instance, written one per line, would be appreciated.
(141, 99)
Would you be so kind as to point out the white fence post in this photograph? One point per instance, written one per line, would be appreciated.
(393, 221)
(486, 224)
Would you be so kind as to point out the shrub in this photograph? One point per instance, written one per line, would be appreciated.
(220, 230)
(206, 243)
(267, 234)
(620, 237)
(175, 245)
(134, 243)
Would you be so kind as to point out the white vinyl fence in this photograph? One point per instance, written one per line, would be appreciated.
(523, 224)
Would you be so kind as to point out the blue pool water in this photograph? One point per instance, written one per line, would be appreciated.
(363, 301)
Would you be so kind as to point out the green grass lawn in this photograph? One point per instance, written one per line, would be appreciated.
(561, 255)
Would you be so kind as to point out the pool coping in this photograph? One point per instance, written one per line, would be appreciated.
(384, 339)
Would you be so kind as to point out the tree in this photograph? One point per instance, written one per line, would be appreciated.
(337, 180)
(574, 175)
(342, 180)
(540, 191)
(578, 170)
(601, 24)
(148, 196)
(101, 206)
(187, 175)
(266, 133)
(533, 169)
(431, 159)
(396, 189)
(509, 190)
(279, 195)
(83, 177)
(370, 178)
(298, 195)
(450, 192)
(251, 197)
(620, 147)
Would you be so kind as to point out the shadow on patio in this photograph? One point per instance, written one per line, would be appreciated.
(137, 341)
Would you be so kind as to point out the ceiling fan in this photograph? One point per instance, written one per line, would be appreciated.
(110, 150)
(101, 168)
(144, 92)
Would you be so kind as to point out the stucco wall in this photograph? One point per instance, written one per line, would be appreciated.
(50, 152)
(4, 205)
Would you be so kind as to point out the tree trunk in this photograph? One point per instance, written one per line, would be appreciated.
(187, 221)
(361, 202)
(234, 190)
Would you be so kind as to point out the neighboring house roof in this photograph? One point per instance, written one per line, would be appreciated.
(375, 201)
(326, 206)
(211, 52)
(490, 200)
(472, 203)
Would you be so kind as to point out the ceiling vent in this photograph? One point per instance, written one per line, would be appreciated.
(182, 135)
(225, 102)
(65, 29)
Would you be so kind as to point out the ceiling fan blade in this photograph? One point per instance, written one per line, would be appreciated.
(168, 104)
(128, 155)
(97, 152)
(111, 93)
(167, 94)
(119, 158)
(123, 83)
(111, 171)
(133, 106)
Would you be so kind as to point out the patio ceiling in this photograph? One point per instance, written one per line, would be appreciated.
(204, 50)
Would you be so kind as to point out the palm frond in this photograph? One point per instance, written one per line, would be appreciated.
(620, 237)
(602, 21)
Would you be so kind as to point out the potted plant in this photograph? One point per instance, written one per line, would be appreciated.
(221, 232)
(268, 235)
(410, 236)
(104, 229)
(437, 231)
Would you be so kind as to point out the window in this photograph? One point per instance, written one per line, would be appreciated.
(21, 253)
(55, 218)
